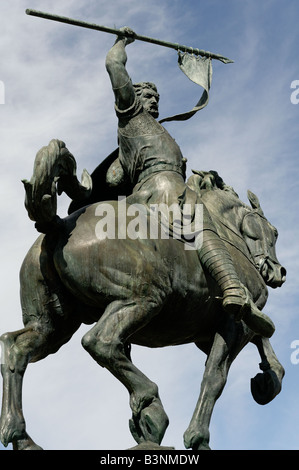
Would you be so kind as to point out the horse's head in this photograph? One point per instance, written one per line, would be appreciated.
(260, 237)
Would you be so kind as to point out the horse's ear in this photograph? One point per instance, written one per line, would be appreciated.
(254, 201)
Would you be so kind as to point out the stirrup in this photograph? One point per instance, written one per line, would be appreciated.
(259, 322)
(236, 302)
(243, 308)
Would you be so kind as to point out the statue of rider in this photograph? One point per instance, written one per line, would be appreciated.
(153, 162)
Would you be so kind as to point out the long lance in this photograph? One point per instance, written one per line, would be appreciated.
(117, 32)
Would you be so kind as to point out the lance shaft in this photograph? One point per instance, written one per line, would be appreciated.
(117, 32)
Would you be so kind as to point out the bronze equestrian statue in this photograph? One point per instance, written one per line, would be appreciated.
(153, 162)
(147, 291)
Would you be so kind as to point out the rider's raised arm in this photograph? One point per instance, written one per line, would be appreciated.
(116, 67)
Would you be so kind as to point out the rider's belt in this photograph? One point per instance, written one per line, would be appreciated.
(160, 167)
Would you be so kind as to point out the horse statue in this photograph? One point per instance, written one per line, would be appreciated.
(144, 291)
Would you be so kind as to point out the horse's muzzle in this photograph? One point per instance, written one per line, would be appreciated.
(274, 274)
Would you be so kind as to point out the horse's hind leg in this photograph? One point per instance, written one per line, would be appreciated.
(14, 362)
(30, 344)
(106, 344)
(48, 324)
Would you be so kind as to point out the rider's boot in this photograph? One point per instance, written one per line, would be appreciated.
(236, 299)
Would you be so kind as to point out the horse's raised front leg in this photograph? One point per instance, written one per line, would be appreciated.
(266, 385)
(106, 343)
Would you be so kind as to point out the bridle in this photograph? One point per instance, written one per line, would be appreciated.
(261, 258)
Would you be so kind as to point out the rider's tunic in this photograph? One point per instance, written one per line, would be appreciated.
(152, 160)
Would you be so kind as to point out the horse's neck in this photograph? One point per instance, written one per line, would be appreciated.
(227, 212)
(224, 206)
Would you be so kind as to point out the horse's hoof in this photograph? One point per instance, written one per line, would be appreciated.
(151, 424)
(11, 431)
(25, 444)
(265, 386)
(195, 441)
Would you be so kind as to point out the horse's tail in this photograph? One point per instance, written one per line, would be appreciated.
(54, 172)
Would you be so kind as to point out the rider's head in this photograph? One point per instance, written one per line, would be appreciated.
(149, 97)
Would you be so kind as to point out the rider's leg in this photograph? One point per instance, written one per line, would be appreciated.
(217, 261)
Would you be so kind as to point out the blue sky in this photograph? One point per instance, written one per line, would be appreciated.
(56, 86)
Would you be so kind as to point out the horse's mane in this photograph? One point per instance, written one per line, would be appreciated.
(204, 181)
(208, 180)
(219, 204)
